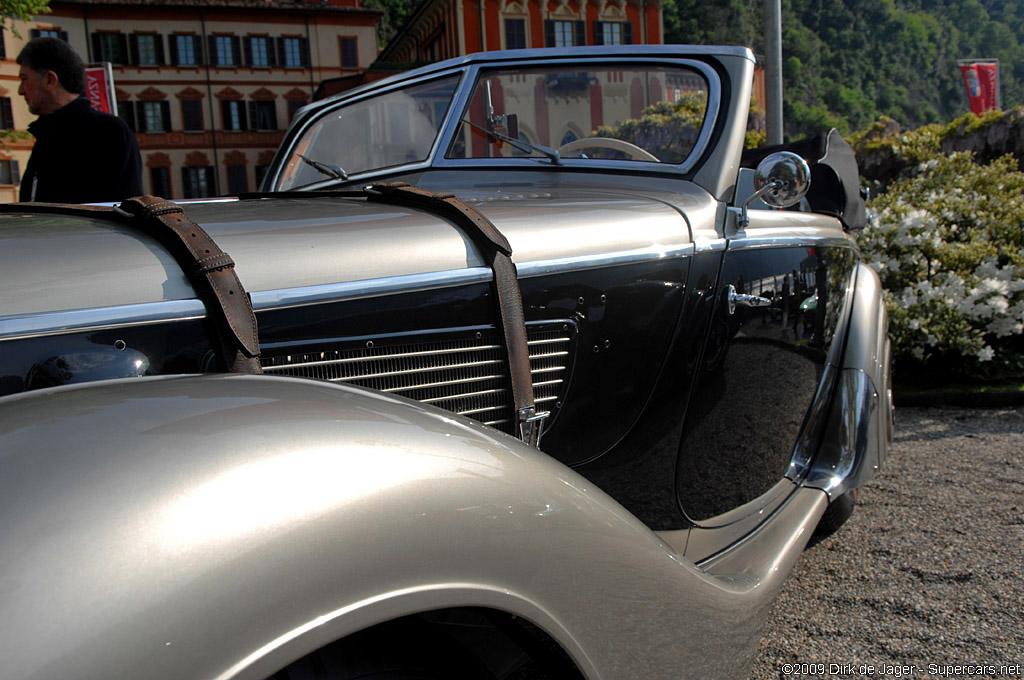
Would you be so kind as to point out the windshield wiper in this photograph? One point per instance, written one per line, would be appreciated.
(520, 144)
(332, 171)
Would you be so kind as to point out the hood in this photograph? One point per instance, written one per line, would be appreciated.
(52, 262)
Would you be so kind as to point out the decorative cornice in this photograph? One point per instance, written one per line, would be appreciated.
(197, 158)
(158, 160)
(151, 94)
(229, 93)
(190, 93)
(263, 94)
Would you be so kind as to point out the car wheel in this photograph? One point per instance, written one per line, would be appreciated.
(407, 649)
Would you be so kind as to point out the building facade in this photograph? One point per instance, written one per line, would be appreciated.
(441, 29)
(209, 89)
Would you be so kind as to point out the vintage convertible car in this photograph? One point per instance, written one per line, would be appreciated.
(296, 434)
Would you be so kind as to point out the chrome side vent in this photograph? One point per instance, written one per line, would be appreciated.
(464, 371)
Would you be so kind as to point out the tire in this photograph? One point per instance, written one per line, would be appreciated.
(407, 649)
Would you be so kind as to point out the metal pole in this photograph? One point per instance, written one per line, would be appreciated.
(773, 70)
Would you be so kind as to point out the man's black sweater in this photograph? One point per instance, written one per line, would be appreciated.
(81, 155)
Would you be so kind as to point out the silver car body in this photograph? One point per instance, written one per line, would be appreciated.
(217, 526)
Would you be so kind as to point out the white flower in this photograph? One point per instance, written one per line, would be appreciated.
(985, 353)
(918, 352)
(1004, 326)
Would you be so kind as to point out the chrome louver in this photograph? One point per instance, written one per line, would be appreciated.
(462, 370)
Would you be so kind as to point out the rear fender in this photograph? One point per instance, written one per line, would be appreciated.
(860, 424)
(224, 526)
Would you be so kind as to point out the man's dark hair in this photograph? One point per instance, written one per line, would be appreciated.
(53, 54)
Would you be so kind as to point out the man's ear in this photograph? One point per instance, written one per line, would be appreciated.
(50, 80)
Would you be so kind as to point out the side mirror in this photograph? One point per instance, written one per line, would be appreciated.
(786, 177)
(781, 180)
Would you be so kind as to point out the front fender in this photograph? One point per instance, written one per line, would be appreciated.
(223, 526)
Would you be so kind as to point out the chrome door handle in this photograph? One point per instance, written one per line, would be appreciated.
(744, 300)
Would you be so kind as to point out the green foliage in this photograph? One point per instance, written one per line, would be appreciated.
(396, 13)
(667, 130)
(847, 62)
(948, 244)
(20, 9)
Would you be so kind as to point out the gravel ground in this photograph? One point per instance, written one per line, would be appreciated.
(927, 574)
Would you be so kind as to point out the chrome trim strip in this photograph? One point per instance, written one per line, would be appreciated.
(20, 326)
(712, 246)
(354, 290)
(829, 241)
(76, 320)
(583, 262)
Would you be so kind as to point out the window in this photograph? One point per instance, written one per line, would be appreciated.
(186, 50)
(160, 181)
(192, 115)
(237, 181)
(146, 49)
(3, 44)
(349, 53)
(261, 173)
(197, 181)
(293, 106)
(259, 52)
(515, 34)
(153, 116)
(126, 111)
(294, 52)
(564, 33)
(48, 33)
(597, 99)
(263, 115)
(9, 172)
(6, 114)
(613, 33)
(112, 47)
(388, 129)
(224, 50)
(233, 115)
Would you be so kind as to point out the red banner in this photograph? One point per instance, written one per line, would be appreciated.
(982, 81)
(98, 88)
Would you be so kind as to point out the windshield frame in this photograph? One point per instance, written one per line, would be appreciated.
(470, 70)
(307, 123)
(477, 72)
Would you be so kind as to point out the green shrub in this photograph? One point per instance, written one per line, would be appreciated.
(948, 244)
(667, 130)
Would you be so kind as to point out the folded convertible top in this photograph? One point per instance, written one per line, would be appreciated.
(835, 180)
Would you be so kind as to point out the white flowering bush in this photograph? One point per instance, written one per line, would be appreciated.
(948, 245)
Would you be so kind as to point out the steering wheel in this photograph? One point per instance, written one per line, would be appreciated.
(631, 150)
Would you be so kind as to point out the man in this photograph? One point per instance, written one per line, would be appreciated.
(81, 155)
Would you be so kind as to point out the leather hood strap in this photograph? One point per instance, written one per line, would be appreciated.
(497, 252)
(210, 271)
(212, 274)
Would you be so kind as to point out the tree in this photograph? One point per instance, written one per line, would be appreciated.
(10, 10)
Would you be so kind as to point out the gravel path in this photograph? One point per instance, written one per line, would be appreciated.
(928, 574)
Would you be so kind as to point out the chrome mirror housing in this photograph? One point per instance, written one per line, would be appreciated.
(781, 180)
(786, 176)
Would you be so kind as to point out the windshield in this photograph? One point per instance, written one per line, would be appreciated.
(391, 129)
(632, 113)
